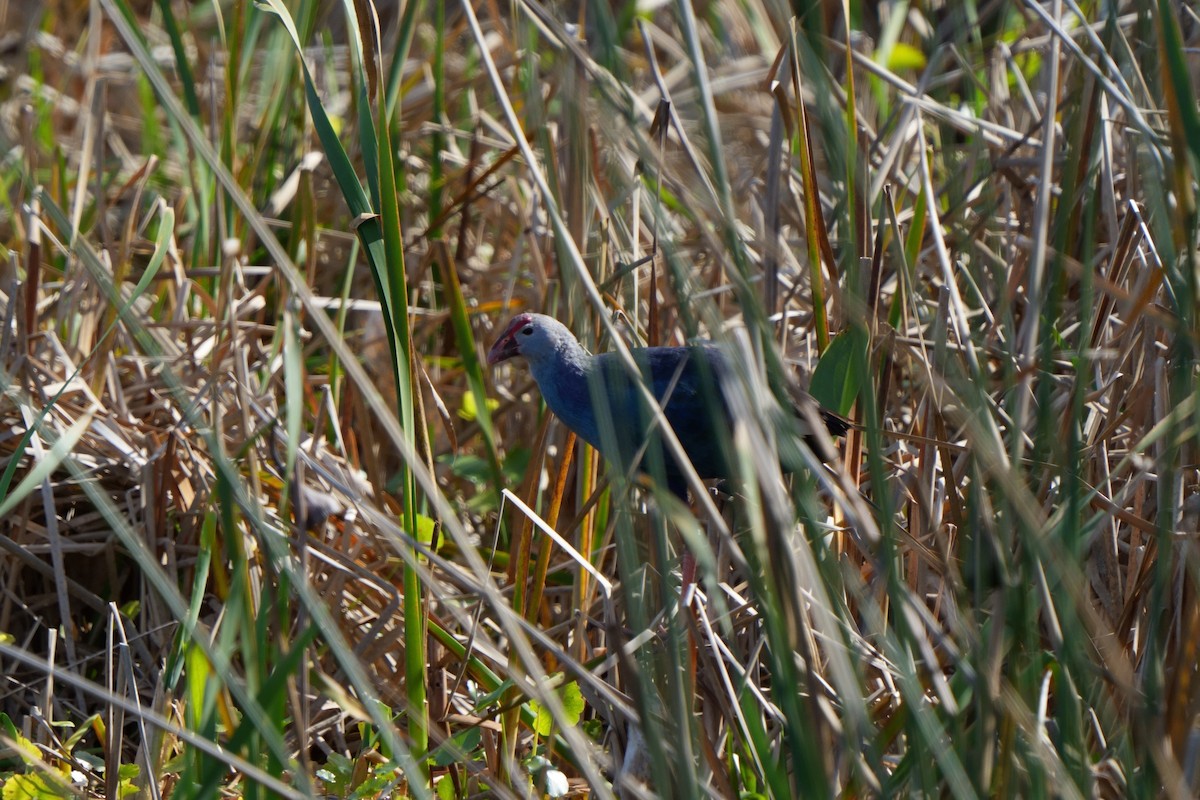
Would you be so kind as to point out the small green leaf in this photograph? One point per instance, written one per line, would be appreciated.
(483, 701)
(572, 703)
(594, 728)
(517, 463)
(425, 527)
(128, 774)
(471, 467)
(464, 742)
(905, 57)
(337, 773)
(83, 730)
(26, 749)
(469, 410)
(543, 722)
(572, 700)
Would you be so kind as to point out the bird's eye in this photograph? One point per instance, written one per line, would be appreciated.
(528, 331)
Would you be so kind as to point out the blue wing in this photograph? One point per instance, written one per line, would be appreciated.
(687, 381)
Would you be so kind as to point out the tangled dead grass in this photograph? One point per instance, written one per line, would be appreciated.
(990, 593)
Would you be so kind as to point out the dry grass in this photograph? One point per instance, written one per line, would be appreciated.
(991, 593)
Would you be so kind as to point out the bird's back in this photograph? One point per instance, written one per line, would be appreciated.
(687, 383)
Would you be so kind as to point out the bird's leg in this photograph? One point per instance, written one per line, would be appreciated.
(687, 576)
(687, 586)
(687, 560)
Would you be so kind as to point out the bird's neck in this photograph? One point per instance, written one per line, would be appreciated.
(564, 385)
(573, 363)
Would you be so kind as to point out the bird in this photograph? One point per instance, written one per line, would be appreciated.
(595, 396)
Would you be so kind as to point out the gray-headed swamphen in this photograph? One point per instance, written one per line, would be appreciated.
(595, 397)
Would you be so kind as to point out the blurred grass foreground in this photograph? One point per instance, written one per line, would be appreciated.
(269, 526)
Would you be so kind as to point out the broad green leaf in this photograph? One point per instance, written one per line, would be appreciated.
(35, 786)
(835, 381)
(572, 703)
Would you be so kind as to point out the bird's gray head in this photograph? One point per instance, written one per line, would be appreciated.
(535, 337)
